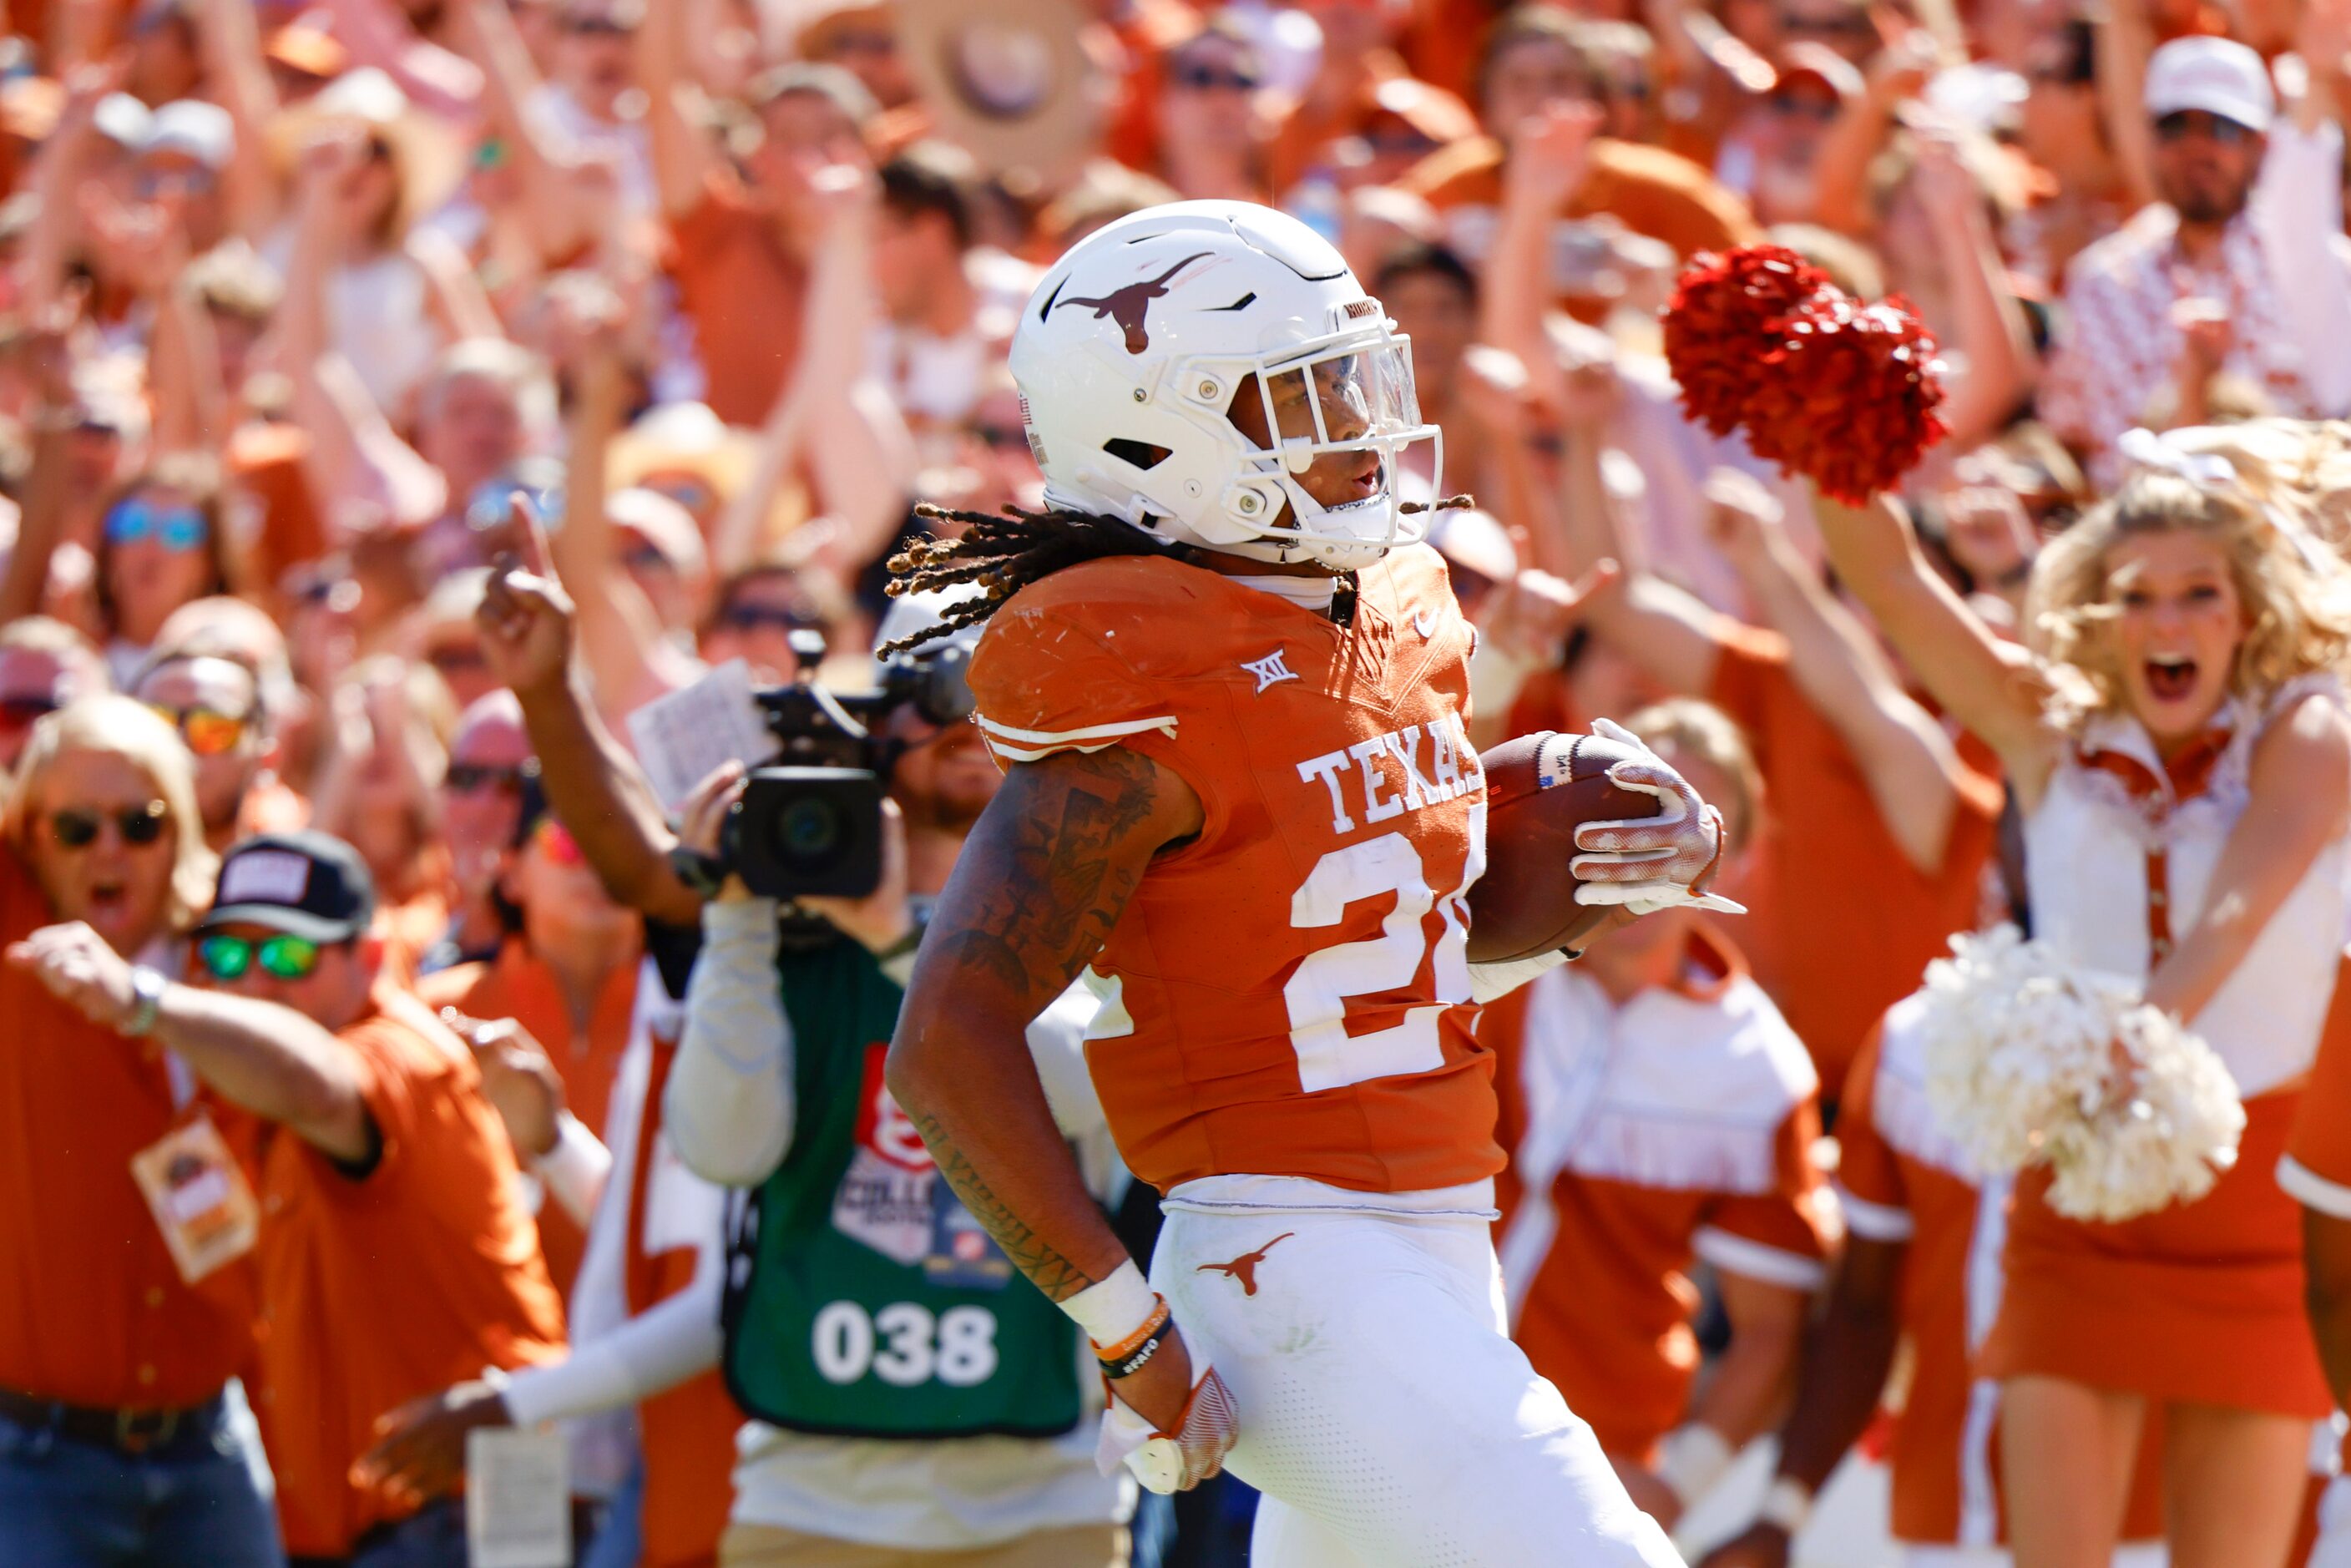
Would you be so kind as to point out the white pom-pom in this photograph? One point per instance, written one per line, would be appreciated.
(2031, 1062)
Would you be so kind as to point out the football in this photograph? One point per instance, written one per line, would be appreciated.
(1538, 789)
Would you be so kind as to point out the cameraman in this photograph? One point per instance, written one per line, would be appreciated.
(923, 1407)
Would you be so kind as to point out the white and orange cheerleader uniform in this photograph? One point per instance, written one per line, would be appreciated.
(1678, 1125)
(1286, 1050)
(2199, 1301)
(1901, 1181)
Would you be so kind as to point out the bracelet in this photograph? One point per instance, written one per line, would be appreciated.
(1150, 1329)
(1113, 1311)
(1135, 1360)
(1786, 1504)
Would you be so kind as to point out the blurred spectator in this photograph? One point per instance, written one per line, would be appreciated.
(113, 1360)
(215, 706)
(393, 1153)
(568, 974)
(1536, 59)
(44, 665)
(947, 310)
(1215, 135)
(2209, 280)
(490, 799)
(754, 613)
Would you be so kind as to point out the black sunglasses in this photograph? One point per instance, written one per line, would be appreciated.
(18, 712)
(76, 828)
(2185, 122)
(465, 777)
(752, 617)
(1202, 78)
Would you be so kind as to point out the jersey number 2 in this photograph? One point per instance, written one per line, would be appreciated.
(1328, 1056)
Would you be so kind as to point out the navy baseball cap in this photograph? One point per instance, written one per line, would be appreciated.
(311, 885)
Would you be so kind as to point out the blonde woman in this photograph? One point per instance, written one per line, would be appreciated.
(2180, 751)
(114, 1436)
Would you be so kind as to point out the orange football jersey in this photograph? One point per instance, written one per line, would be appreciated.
(1288, 994)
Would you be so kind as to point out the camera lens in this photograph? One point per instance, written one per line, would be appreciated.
(808, 829)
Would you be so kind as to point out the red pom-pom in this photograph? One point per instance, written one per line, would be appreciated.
(1840, 393)
(1725, 315)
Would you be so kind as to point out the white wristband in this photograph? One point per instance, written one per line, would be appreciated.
(1787, 1504)
(1111, 1309)
(1691, 1458)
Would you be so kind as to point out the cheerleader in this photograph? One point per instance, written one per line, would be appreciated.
(2181, 753)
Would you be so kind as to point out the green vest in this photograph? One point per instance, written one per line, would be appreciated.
(862, 1300)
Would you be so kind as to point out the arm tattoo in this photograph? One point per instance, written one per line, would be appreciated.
(1055, 883)
(1047, 1269)
(1037, 890)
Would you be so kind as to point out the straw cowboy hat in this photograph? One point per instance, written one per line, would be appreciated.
(427, 153)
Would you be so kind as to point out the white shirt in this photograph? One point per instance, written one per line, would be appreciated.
(2086, 864)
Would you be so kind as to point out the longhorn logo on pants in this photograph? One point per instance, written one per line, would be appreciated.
(1244, 1268)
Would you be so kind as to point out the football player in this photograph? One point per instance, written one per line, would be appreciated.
(1229, 685)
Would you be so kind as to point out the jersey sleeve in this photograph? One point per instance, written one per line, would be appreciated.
(1783, 1237)
(1869, 1182)
(2315, 1169)
(1045, 680)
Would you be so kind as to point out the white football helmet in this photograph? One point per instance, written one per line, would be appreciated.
(1131, 355)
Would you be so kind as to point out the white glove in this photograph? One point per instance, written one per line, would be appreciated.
(1170, 1461)
(1649, 864)
(2333, 1547)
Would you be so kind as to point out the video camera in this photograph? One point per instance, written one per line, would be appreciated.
(811, 821)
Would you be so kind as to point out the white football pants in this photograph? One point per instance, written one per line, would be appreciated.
(1383, 1413)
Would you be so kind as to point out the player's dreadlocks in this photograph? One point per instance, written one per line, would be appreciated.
(1004, 552)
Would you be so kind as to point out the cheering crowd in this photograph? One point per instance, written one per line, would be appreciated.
(404, 401)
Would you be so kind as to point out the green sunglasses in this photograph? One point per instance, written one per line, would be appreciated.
(282, 956)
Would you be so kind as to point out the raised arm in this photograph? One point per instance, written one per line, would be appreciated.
(1840, 171)
(1877, 556)
(684, 160)
(509, 83)
(2123, 42)
(269, 1059)
(859, 453)
(620, 636)
(1039, 886)
(595, 787)
(354, 453)
(2300, 783)
(1665, 630)
(231, 40)
(1987, 323)
(46, 351)
(1913, 770)
(1549, 157)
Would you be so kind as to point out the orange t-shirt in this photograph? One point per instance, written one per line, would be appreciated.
(519, 985)
(741, 286)
(266, 460)
(1674, 1126)
(1650, 191)
(394, 1285)
(93, 1311)
(1290, 991)
(1869, 922)
(1904, 1182)
(688, 1432)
